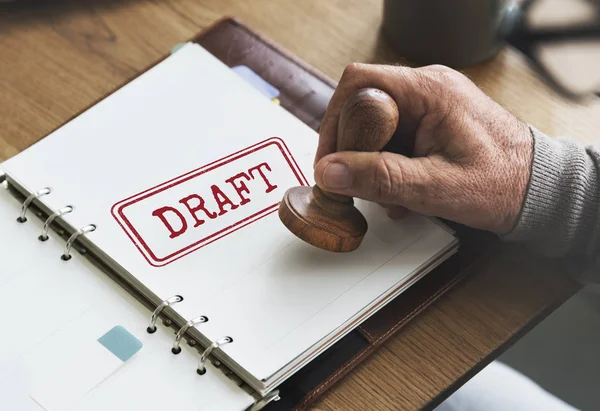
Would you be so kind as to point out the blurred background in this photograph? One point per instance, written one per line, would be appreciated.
(562, 354)
(560, 38)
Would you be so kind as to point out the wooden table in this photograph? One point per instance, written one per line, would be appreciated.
(56, 58)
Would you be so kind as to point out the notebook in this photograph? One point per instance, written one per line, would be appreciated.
(173, 182)
(55, 357)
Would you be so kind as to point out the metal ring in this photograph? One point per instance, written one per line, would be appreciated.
(263, 402)
(87, 229)
(171, 300)
(28, 200)
(201, 369)
(49, 220)
(198, 320)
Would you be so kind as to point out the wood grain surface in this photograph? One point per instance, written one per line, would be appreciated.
(57, 57)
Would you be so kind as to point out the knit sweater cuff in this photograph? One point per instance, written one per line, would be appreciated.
(559, 213)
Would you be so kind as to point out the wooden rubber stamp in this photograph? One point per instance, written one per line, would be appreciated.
(330, 221)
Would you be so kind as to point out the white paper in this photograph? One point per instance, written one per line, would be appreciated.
(180, 216)
(259, 284)
(70, 364)
(49, 355)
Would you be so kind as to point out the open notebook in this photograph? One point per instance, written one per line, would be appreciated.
(54, 359)
(174, 181)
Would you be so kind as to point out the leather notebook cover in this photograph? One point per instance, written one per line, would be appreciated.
(305, 93)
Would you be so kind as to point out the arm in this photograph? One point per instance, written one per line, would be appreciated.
(560, 216)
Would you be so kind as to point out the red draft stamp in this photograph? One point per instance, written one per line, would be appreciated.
(195, 209)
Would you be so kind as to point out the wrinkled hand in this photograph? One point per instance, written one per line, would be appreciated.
(471, 158)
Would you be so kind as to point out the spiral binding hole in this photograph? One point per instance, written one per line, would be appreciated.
(44, 191)
(82, 231)
(201, 370)
(151, 329)
(50, 219)
(176, 349)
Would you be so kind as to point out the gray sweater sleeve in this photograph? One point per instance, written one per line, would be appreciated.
(560, 216)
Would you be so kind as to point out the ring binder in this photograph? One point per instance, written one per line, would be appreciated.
(263, 402)
(84, 230)
(198, 320)
(201, 369)
(50, 219)
(29, 199)
(169, 301)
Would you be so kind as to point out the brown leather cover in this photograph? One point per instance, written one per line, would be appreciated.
(305, 93)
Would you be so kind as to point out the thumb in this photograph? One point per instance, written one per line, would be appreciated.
(379, 177)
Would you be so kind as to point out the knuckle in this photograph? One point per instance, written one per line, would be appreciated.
(443, 85)
(431, 84)
(444, 77)
(387, 178)
(440, 68)
(352, 70)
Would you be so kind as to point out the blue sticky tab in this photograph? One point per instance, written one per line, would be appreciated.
(121, 343)
(177, 47)
(254, 79)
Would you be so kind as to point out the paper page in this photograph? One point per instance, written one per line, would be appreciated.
(182, 171)
(315, 291)
(71, 339)
(360, 316)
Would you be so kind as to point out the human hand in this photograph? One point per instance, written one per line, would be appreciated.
(471, 158)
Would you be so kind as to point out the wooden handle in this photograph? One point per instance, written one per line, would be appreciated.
(368, 120)
(331, 221)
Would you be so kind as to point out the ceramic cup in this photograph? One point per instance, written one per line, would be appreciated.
(456, 33)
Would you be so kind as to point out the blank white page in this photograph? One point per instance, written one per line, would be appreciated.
(56, 310)
(182, 170)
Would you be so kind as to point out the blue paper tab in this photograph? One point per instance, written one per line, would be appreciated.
(177, 47)
(121, 343)
(261, 85)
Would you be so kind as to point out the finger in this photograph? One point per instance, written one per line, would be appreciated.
(394, 212)
(403, 84)
(397, 212)
(386, 206)
(327, 138)
(379, 177)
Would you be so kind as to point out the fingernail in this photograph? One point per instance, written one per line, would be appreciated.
(337, 176)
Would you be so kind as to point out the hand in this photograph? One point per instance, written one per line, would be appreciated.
(471, 159)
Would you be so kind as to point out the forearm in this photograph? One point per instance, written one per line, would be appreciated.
(561, 212)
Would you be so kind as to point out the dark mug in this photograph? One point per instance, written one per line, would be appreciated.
(456, 33)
